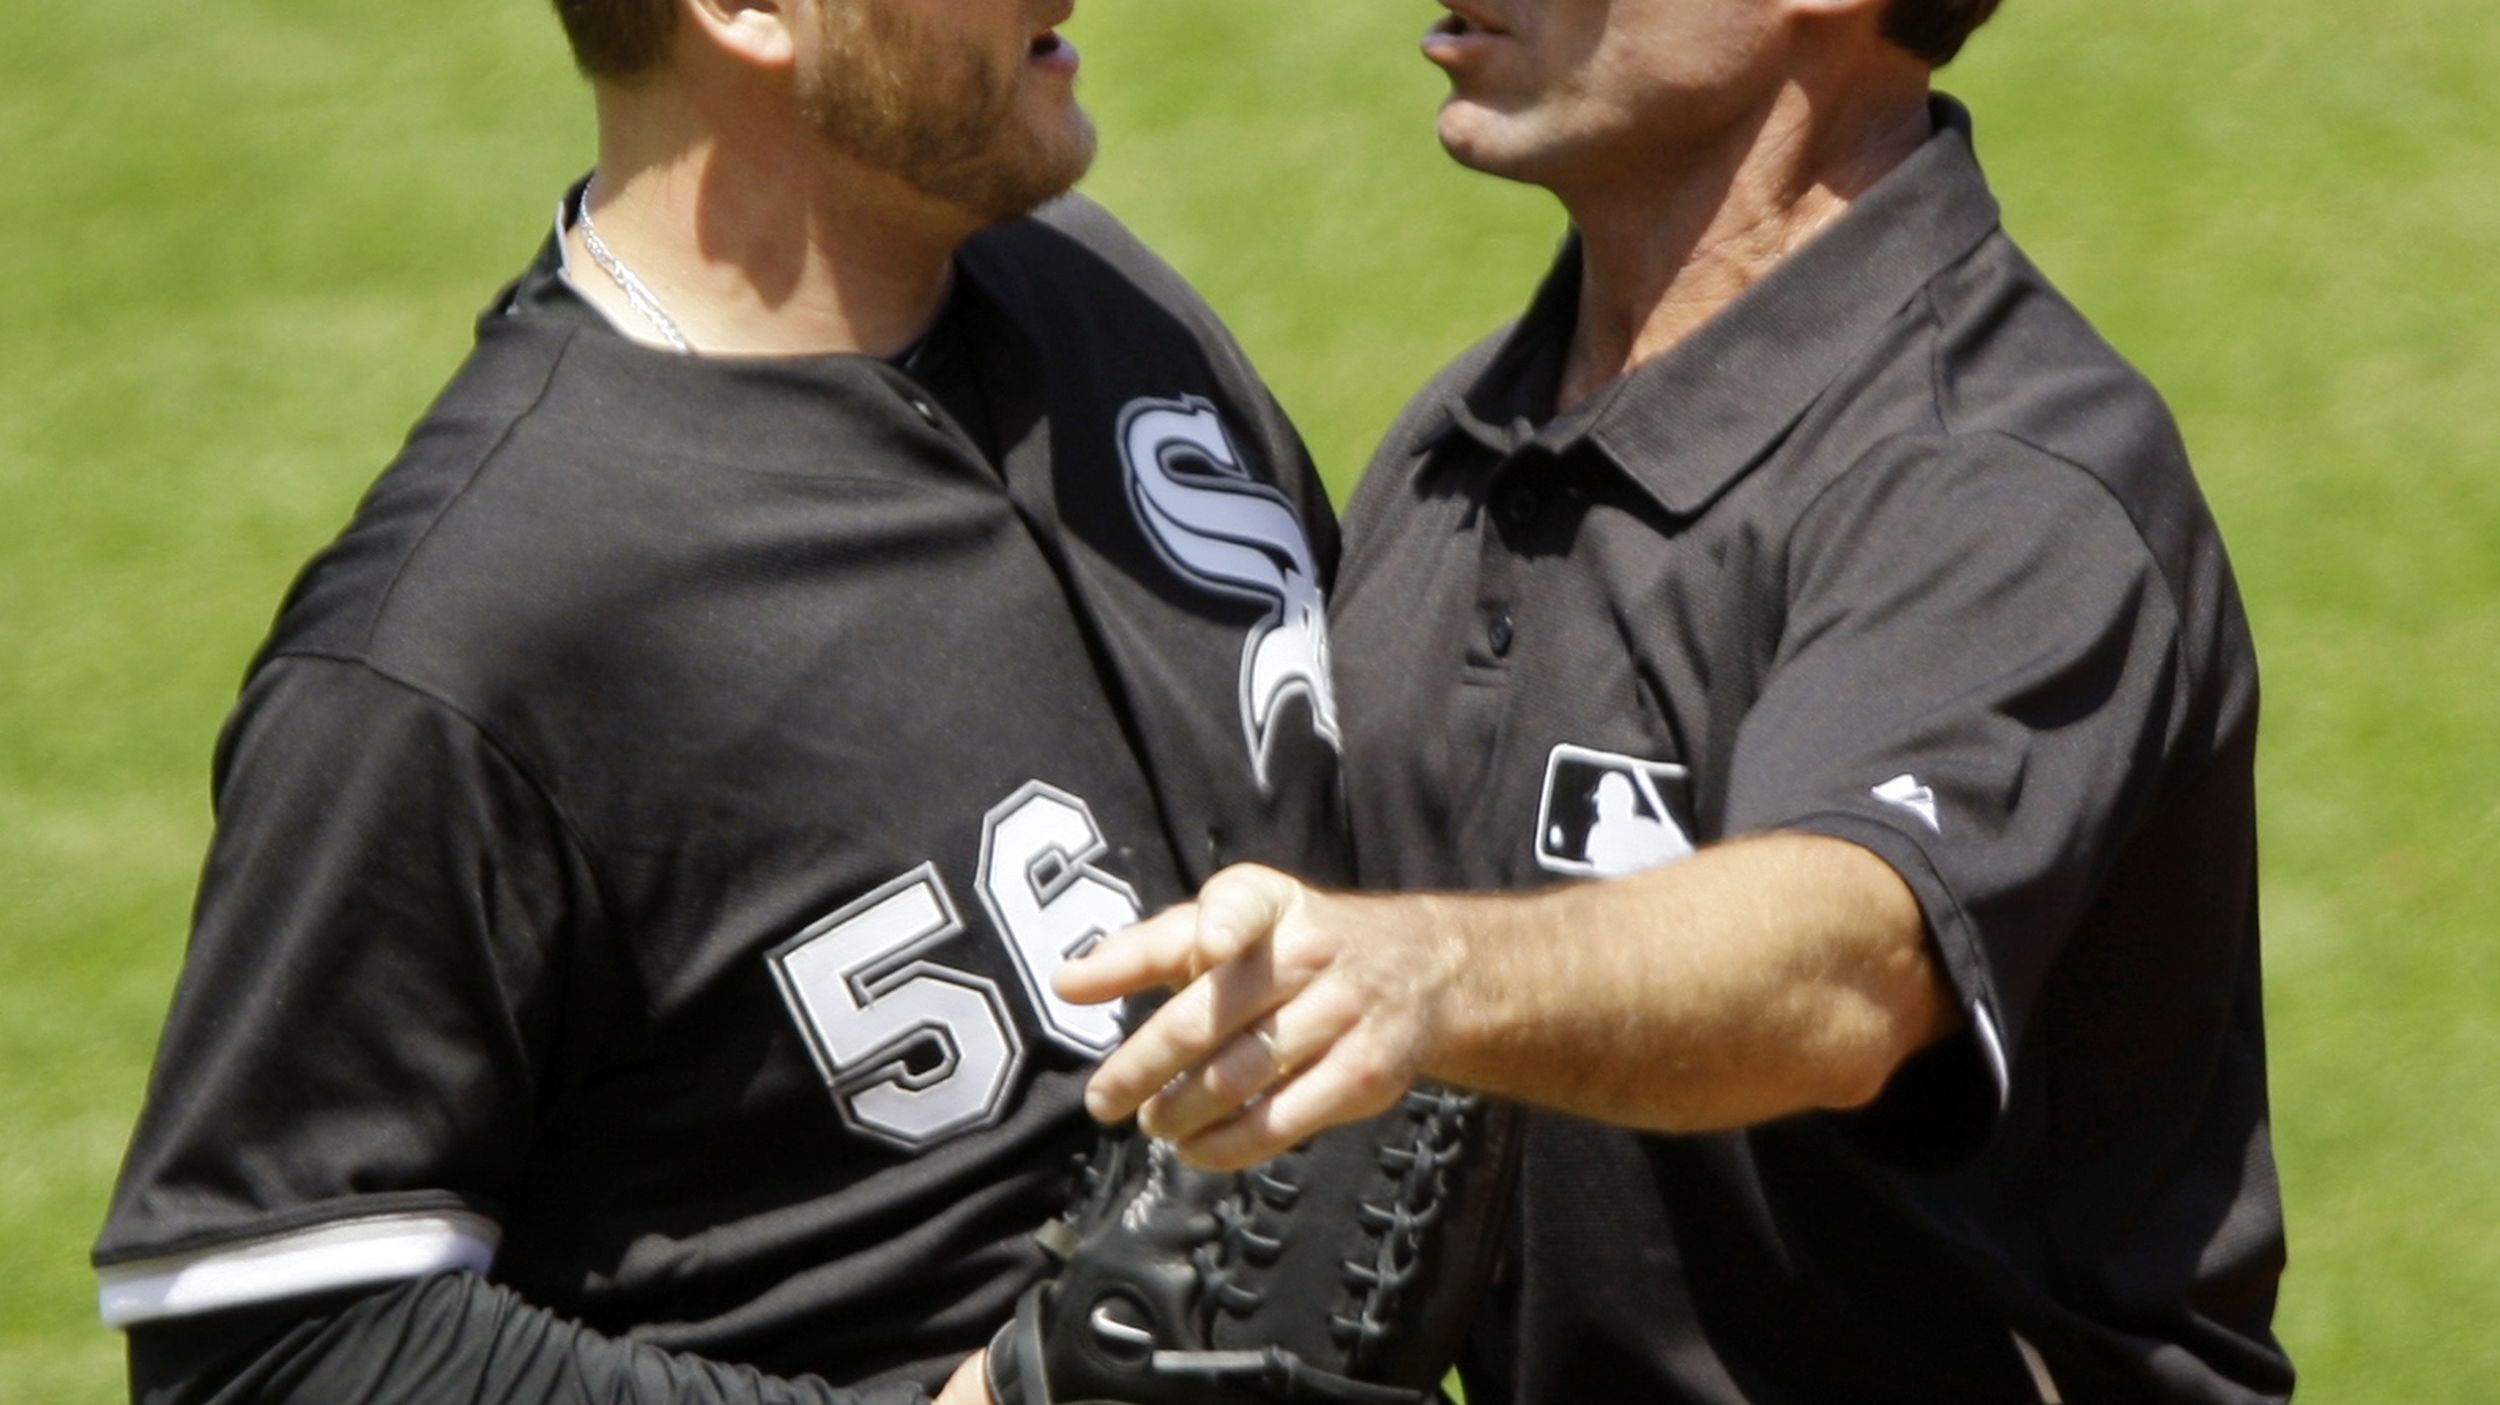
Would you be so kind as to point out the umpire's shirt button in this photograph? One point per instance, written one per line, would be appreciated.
(1520, 508)
(1498, 635)
(927, 412)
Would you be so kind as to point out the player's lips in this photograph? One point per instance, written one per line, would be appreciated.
(1468, 29)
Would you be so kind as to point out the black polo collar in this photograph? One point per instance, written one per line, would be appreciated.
(1691, 422)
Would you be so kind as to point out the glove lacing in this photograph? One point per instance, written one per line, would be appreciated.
(1242, 1241)
(1443, 1124)
(1245, 1239)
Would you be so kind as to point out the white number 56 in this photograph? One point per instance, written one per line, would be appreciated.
(916, 1052)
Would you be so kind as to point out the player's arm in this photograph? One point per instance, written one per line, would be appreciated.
(350, 1073)
(1759, 978)
(458, 1340)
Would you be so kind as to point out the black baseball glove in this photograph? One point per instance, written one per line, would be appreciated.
(1341, 1273)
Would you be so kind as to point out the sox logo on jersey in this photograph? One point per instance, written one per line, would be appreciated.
(1234, 536)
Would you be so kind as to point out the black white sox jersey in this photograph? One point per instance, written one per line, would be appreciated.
(645, 841)
(1894, 550)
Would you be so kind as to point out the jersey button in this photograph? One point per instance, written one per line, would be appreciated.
(1521, 507)
(1498, 636)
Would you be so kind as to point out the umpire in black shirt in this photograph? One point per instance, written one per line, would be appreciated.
(1820, 623)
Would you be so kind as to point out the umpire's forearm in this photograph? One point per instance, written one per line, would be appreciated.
(1755, 979)
(454, 1339)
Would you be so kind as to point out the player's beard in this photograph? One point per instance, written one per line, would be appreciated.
(943, 114)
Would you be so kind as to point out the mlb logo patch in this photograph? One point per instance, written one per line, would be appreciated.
(1605, 813)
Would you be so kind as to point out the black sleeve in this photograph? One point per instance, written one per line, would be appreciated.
(349, 1075)
(1978, 679)
(452, 1339)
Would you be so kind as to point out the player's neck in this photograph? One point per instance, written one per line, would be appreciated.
(762, 241)
(1661, 258)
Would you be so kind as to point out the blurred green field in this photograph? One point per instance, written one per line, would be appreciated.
(244, 242)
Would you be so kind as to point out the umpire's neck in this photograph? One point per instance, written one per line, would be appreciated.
(1675, 227)
(754, 234)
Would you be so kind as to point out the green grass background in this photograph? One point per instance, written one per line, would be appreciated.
(240, 245)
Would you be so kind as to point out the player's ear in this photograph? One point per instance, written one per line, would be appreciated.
(762, 33)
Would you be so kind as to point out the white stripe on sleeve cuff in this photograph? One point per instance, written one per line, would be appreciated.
(1992, 1048)
(347, 1254)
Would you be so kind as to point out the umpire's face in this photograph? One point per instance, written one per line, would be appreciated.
(972, 101)
(1571, 93)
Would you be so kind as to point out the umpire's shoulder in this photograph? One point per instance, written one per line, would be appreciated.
(1427, 413)
(1426, 418)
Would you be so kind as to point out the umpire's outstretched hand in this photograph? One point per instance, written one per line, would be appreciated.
(1296, 1010)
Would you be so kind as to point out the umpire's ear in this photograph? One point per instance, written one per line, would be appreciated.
(1872, 9)
(761, 34)
(1845, 45)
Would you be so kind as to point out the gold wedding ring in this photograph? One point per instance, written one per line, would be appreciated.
(1275, 1055)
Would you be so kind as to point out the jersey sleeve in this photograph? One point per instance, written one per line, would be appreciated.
(448, 1339)
(1978, 679)
(347, 1075)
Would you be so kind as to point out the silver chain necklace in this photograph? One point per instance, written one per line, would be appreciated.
(638, 294)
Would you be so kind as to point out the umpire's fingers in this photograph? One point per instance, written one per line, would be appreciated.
(1239, 909)
(1160, 951)
(1184, 1033)
(1234, 912)
(1352, 1082)
(1267, 1051)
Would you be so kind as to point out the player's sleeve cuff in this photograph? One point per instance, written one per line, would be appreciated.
(343, 1254)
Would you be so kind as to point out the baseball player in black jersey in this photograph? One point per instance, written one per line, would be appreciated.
(827, 599)
(1821, 623)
